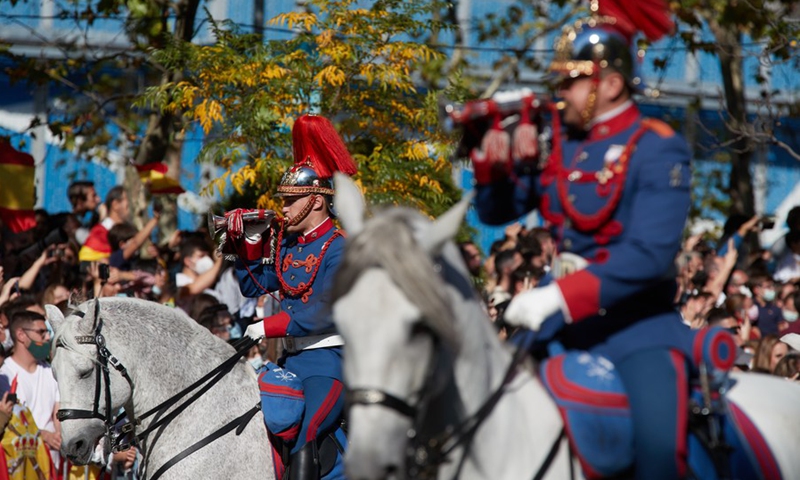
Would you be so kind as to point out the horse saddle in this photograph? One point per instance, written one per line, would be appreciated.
(594, 406)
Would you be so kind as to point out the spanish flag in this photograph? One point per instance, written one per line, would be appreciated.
(155, 175)
(17, 188)
(96, 246)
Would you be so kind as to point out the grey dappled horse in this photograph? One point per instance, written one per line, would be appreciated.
(163, 351)
(418, 344)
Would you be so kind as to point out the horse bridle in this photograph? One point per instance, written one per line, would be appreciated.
(103, 377)
(104, 358)
(423, 455)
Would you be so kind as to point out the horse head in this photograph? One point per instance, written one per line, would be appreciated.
(90, 397)
(393, 307)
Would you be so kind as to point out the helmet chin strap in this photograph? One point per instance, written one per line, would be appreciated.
(591, 100)
(294, 221)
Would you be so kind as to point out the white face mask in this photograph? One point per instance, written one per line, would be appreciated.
(256, 362)
(203, 264)
(8, 342)
(745, 291)
(769, 295)
(790, 316)
(752, 313)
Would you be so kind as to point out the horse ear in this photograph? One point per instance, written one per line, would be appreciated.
(54, 316)
(349, 203)
(446, 226)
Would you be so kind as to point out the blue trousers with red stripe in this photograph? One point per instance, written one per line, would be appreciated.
(324, 407)
(657, 384)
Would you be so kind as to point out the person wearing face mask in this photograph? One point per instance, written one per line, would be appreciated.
(199, 272)
(768, 315)
(302, 267)
(6, 340)
(790, 313)
(36, 386)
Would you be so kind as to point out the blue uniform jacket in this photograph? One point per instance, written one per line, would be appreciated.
(618, 197)
(301, 260)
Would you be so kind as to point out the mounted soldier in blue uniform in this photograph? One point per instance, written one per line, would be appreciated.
(615, 189)
(305, 253)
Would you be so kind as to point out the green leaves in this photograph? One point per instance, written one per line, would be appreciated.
(354, 65)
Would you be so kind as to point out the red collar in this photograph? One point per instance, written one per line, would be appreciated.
(616, 124)
(316, 232)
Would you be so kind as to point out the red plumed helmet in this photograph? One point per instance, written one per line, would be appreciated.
(318, 152)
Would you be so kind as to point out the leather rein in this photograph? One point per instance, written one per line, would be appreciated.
(116, 436)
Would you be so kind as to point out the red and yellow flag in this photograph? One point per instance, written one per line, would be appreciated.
(17, 188)
(155, 175)
(96, 246)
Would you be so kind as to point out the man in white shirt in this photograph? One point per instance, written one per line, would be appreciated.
(36, 387)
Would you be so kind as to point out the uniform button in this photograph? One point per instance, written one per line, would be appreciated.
(567, 224)
(583, 156)
(299, 249)
(291, 277)
(289, 307)
(571, 197)
(602, 312)
(567, 244)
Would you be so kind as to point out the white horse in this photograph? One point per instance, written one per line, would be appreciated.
(153, 352)
(421, 357)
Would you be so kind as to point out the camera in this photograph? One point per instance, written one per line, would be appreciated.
(103, 271)
(767, 222)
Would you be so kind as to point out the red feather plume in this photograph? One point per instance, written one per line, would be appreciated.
(315, 139)
(651, 17)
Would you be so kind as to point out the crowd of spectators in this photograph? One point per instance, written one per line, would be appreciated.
(721, 281)
(95, 250)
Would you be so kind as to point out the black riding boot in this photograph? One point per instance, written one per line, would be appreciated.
(304, 464)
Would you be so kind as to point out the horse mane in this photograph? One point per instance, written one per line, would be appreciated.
(72, 327)
(387, 242)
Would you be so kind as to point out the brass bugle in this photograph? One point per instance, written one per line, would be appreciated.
(503, 102)
(218, 225)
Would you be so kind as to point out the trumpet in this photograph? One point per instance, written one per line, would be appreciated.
(252, 237)
(218, 224)
(507, 103)
(512, 125)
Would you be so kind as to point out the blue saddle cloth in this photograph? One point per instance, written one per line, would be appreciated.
(282, 400)
(593, 404)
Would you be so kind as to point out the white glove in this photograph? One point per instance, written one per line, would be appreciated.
(255, 331)
(253, 231)
(531, 308)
